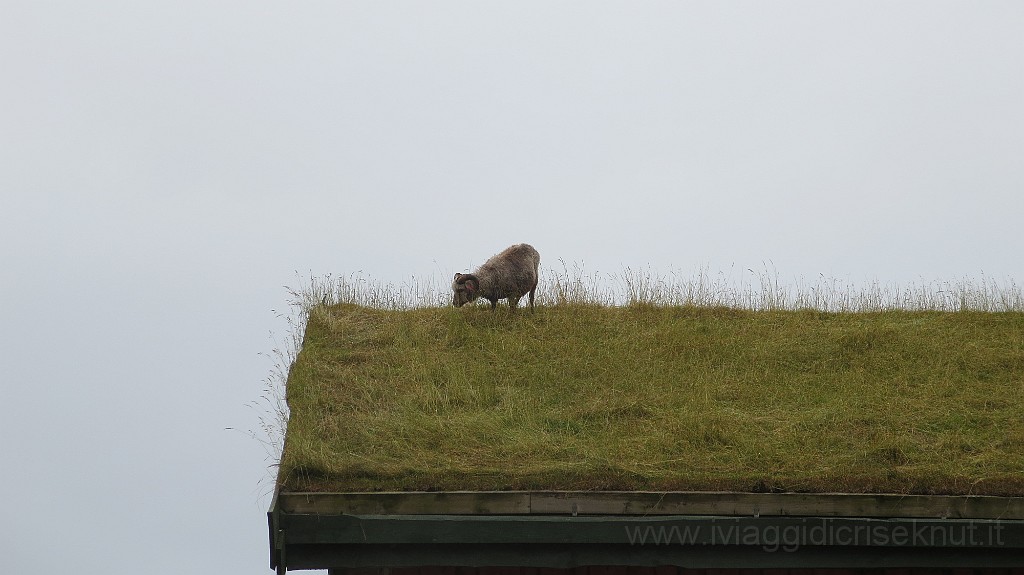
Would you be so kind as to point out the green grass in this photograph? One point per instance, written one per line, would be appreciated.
(660, 393)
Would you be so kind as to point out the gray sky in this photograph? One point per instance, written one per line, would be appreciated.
(169, 166)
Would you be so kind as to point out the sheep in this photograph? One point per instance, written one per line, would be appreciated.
(510, 274)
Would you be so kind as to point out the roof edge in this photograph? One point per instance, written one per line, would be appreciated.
(647, 503)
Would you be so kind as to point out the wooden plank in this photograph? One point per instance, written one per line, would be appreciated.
(778, 504)
(640, 532)
(649, 503)
(667, 560)
(668, 557)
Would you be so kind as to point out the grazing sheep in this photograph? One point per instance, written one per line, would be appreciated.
(510, 274)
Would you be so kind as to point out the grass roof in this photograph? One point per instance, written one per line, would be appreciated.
(656, 397)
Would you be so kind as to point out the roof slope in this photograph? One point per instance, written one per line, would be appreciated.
(581, 397)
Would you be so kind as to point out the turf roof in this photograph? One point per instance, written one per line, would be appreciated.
(649, 397)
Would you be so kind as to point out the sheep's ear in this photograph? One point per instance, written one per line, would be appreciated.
(457, 276)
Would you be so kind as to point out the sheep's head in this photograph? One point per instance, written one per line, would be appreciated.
(466, 288)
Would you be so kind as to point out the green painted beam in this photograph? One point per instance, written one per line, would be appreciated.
(532, 536)
(651, 531)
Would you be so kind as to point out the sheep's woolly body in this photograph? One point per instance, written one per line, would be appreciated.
(510, 275)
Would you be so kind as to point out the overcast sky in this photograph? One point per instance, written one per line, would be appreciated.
(168, 166)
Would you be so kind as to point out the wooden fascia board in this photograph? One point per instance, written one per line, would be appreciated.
(653, 504)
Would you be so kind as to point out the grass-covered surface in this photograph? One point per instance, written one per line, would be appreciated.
(656, 397)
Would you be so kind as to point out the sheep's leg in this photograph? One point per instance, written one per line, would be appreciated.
(513, 302)
(494, 305)
(532, 290)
